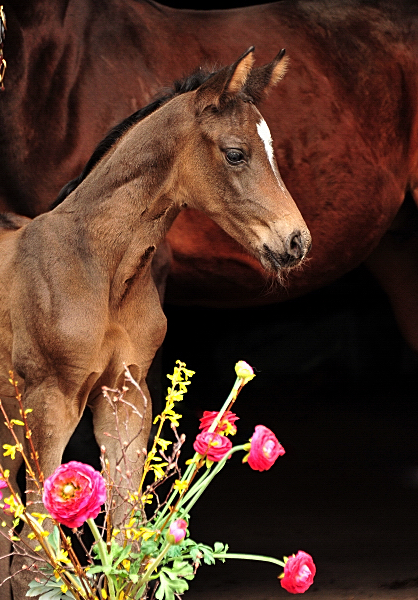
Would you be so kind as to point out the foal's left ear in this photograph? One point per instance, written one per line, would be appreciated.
(262, 80)
(226, 83)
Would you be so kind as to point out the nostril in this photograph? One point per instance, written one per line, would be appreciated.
(296, 246)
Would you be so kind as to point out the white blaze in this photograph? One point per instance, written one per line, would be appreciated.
(264, 132)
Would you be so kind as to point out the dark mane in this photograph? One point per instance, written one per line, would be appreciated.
(188, 84)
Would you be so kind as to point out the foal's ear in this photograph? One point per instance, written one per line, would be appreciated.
(262, 80)
(226, 83)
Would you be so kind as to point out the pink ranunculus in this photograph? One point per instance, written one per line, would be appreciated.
(265, 449)
(177, 531)
(226, 424)
(74, 493)
(213, 445)
(299, 573)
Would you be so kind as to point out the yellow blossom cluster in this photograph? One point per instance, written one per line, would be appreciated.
(179, 382)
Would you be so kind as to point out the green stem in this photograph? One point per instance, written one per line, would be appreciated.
(165, 509)
(222, 555)
(195, 487)
(208, 479)
(144, 580)
(236, 388)
(269, 559)
(104, 557)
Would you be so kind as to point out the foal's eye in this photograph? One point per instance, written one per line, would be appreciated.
(234, 156)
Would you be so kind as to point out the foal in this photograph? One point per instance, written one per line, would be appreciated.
(78, 301)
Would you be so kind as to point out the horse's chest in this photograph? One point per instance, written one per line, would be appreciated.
(138, 325)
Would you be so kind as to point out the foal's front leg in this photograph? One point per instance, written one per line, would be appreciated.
(52, 421)
(122, 428)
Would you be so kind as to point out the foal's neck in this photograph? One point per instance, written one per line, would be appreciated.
(130, 199)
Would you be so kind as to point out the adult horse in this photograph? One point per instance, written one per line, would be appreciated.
(78, 300)
(344, 125)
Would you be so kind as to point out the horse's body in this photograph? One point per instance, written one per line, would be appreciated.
(77, 296)
(344, 124)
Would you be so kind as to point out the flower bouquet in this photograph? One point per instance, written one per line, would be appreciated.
(149, 554)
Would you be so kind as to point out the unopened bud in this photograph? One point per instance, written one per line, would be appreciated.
(177, 531)
(244, 370)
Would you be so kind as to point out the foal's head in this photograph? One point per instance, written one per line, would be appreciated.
(209, 148)
(228, 169)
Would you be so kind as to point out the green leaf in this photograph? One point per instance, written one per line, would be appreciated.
(50, 589)
(54, 539)
(35, 589)
(149, 547)
(168, 587)
(124, 554)
(208, 558)
(218, 547)
(94, 570)
(135, 566)
(47, 590)
(174, 550)
(55, 594)
(180, 568)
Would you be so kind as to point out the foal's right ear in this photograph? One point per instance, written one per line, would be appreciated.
(263, 79)
(226, 83)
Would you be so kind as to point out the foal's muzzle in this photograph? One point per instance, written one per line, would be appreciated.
(295, 249)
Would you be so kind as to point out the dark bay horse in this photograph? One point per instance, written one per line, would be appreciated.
(344, 124)
(78, 300)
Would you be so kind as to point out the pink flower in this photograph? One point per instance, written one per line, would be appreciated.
(213, 445)
(177, 531)
(3, 484)
(265, 449)
(299, 572)
(226, 424)
(74, 493)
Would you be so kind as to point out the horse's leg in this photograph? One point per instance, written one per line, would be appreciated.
(12, 410)
(123, 429)
(160, 269)
(394, 263)
(52, 422)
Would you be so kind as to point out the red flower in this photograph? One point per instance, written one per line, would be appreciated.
(74, 493)
(213, 445)
(299, 572)
(226, 424)
(265, 449)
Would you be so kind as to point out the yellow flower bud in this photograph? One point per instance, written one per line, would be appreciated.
(244, 371)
